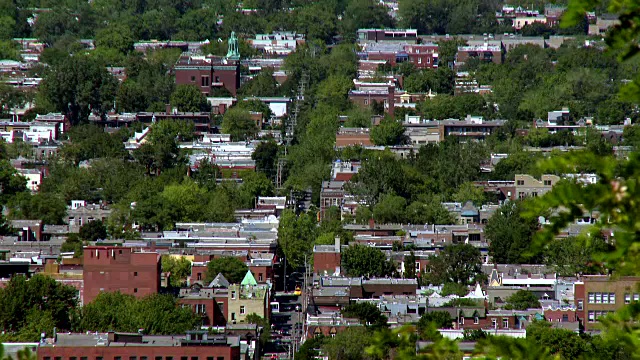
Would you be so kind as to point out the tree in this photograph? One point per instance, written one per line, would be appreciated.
(265, 156)
(22, 297)
(263, 84)
(459, 263)
(349, 344)
(566, 343)
(368, 313)
(73, 244)
(189, 98)
(232, 268)
(510, 234)
(453, 288)
(115, 37)
(410, 265)
(265, 333)
(157, 314)
(469, 192)
(433, 319)
(179, 269)
(389, 132)
(93, 230)
(78, 86)
(522, 300)
(390, 209)
(239, 124)
(575, 255)
(11, 182)
(360, 260)
(48, 207)
(296, 234)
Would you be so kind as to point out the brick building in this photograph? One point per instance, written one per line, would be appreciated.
(207, 302)
(484, 52)
(208, 73)
(598, 295)
(528, 186)
(196, 345)
(327, 258)
(423, 56)
(246, 298)
(388, 35)
(113, 268)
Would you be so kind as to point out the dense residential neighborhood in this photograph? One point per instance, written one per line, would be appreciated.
(338, 180)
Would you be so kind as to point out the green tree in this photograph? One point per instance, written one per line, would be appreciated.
(469, 192)
(390, 209)
(453, 288)
(522, 300)
(115, 37)
(368, 313)
(433, 320)
(239, 124)
(11, 182)
(265, 156)
(459, 263)
(22, 296)
(360, 260)
(77, 86)
(93, 230)
(232, 268)
(296, 234)
(74, 244)
(179, 268)
(189, 98)
(510, 233)
(389, 132)
(263, 84)
(265, 333)
(349, 344)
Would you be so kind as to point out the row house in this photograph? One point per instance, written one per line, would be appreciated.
(485, 53)
(528, 186)
(422, 56)
(522, 21)
(367, 94)
(387, 35)
(195, 345)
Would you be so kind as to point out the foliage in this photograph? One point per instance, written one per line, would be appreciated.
(510, 235)
(360, 260)
(469, 192)
(265, 333)
(74, 244)
(456, 264)
(156, 314)
(367, 312)
(232, 268)
(189, 98)
(239, 124)
(93, 230)
(296, 234)
(454, 288)
(78, 86)
(348, 344)
(35, 304)
(388, 133)
(433, 319)
(522, 300)
(179, 268)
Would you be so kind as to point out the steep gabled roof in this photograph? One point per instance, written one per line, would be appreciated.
(249, 280)
(219, 282)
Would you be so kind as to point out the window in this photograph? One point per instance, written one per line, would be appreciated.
(605, 298)
(193, 79)
(209, 357)
(58, 358)
(204, 81)
(100, 358)
(565, 318)
(83, 358)
(117, 358)
(133, 358)
(233, 316)
(520, 182)
(417, 266)
(591, 317)
(461, 320)
(242, 310)
(534, 194)
(476, 320)
(521, 195)
(46, 358)
(505, 323)
(233, 294)
(168, 358)
(194, 358)
(627, 298)
(591, 299)
(636, 297)
(220, 358)
(598, 298)
(580, 304)
(366, 101)
(184, 358)
(547, 183)
(158, 357)
(612, 298)
(73, 358)
(419, 60)
(135, 290)
(260, 277)
(143, 358)
(135, 273)
(217, 79)
(199, 276)
(494, 323)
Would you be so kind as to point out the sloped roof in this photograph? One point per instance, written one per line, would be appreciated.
(219, 282)
(249, 280)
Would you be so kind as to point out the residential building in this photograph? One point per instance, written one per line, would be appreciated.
(246, 298)
(279, 43)
(353, 136)
(34, 178)
(80, 213)
(332, 193)
(368, 94)
(603, 24)
(208, 73)
(387, 35)
(484, 52)
(195, 345)
(598, 295)
(423, 56)
(207, 302)
(522, 21)
(113, 268)
(528, 186)
(327, 258)
(57, 119)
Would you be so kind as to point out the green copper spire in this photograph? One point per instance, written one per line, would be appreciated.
(233, 53)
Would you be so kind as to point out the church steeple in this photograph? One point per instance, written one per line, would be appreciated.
(233, 53)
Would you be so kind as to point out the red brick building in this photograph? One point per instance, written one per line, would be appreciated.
(208, 73)
(208, 302)
(113, 268)
(327, 258)
(197, 345)
(423, 56)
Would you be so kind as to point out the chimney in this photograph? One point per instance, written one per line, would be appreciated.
(167, 108)
(372, 223)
